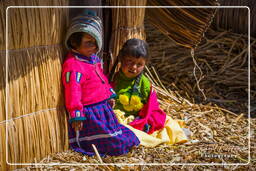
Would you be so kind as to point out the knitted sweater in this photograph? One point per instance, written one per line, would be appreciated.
(123, 85)
(84, 84)
(150, 117)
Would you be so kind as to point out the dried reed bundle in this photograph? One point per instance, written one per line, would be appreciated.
(186, 26)
(36, 115)
(35, 86)
(127, 23)
(2, 148)
(2, 25)
(33, 137)
(2, 105)
(236, 19)
(35, 80)
(223, 58)
(32, 26)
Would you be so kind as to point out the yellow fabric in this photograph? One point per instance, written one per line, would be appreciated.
(124, 99)
(133, 104)
(172, 132)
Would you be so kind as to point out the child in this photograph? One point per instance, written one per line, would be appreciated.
(87, 94)
(136, 98)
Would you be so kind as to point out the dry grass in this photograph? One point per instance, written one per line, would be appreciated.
(223, 59)
(186, 26)
(236, 19)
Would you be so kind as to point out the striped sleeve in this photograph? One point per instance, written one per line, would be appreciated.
(72, 87)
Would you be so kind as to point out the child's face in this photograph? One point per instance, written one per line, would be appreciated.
(132, 67)
(88, 46)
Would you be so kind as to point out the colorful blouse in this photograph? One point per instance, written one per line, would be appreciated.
(84, 83)
(149, 117)
(128, 99)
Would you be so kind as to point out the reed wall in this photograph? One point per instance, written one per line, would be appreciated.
(36, 116)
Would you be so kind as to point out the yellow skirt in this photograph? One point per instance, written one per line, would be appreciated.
(172, 132)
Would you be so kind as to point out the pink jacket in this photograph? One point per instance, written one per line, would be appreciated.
(150, 114)
(84, 84)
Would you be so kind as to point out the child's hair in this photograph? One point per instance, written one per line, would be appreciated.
(75, 40)
(133, 48)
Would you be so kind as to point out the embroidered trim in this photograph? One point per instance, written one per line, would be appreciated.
(77, 119)
(91, 60)
(93, 137)
(112, 91)
(113, 95)
(78, 77)
(84, 60)
(67, 77)
(78, 113)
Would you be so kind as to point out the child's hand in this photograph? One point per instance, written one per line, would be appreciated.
(112, 102)
(77, 125)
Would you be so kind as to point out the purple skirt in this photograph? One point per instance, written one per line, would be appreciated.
(102, 129)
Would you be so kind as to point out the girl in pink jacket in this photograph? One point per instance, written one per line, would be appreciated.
(87, 94)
